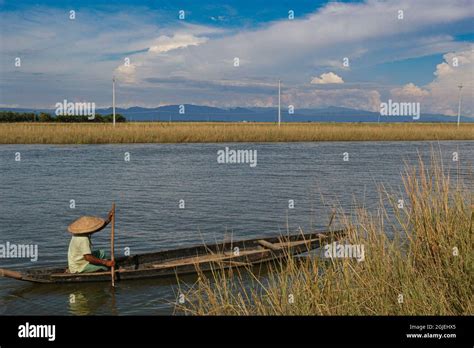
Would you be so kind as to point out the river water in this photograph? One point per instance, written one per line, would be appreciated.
(44, 188)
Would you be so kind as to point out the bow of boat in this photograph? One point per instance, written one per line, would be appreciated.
(10, 274)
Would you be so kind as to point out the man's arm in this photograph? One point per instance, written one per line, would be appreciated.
(96, 261)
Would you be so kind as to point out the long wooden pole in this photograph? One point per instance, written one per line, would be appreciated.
(112, 245)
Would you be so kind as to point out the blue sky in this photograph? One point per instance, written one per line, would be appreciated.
(159, 59)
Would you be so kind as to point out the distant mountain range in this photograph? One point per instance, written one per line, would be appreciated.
(189, 112)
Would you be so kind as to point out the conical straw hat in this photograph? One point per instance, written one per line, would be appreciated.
(86, 224)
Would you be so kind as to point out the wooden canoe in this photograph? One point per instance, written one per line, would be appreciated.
(188, 260)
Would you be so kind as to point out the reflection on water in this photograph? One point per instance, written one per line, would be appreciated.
(221, 202)
(82, 303)
(150, 296)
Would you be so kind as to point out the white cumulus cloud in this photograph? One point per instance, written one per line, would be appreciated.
(165, 43)
(326, 78)
(441, 96)
(408, 91)
(457, 68)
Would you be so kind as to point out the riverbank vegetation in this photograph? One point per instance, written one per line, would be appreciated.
(44, 117)
(208, 132)
(417, 262)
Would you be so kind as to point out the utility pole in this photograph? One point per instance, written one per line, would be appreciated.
(113, 99)
(459, 104)
(279, 103)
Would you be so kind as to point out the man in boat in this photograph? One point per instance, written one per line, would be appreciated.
(81, 257)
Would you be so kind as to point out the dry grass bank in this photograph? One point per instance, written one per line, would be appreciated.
(424, 269)
(80, 133)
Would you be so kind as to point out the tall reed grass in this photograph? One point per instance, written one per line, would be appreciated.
(142, 132)
(418, 261)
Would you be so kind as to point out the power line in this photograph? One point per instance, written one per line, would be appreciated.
(459, 104)
(113, 99)
(279, 103)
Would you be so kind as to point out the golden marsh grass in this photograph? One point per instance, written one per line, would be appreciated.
(423, 268)
(197, 132)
